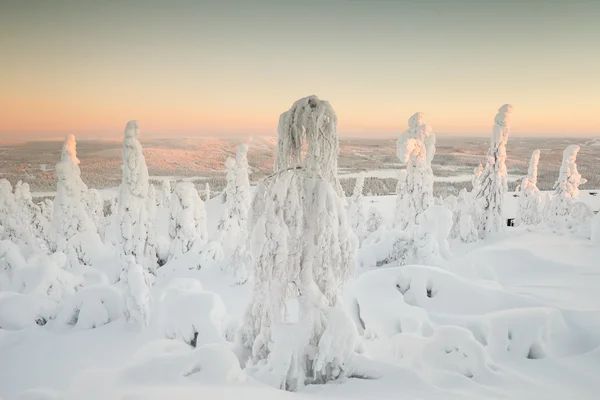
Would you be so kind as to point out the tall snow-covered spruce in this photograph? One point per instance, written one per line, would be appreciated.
(73, 230)
(416, 148)
(137, 255)
(530, 198)
(295, 331)
(491, 185)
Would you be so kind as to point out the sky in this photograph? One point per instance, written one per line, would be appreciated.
(229, 67)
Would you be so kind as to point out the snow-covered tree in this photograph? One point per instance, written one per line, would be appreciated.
(566, 190)
(416, 148)
(374, 220)
(187, 221)
(133, 217)
(35, 225)
(9, 212)
(402, 209)
(467, 231)
(356, 212)
(491, 185)
(530, 198)
(303, 249)
(164, 197)
(95, 208)
(73, 231)
(134, 245)
(136, 283)
(239, 203)
(207, 192)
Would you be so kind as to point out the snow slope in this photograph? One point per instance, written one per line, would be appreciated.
(516, 316)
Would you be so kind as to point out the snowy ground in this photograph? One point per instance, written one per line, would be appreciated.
(514, 317)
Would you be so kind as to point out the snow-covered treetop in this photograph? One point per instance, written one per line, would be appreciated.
(69, 150)
(132, 129)
(569, 178)
(312, 121)
(135, 171)
(22, 191)
(417, 141)
(501, 129)
(242, 154)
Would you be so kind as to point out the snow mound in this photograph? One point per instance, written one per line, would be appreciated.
(22, 311)
(91, 307)
(451, 351)
(408, 299)
(188, 313)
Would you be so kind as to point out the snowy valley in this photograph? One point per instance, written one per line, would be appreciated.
(297, 276)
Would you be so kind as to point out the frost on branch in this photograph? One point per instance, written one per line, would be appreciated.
(302, 253)
(187, 221)
(491, 184)
(74, 232)
(415, 148)
(530, 198)
(134, 220)
(566, 191)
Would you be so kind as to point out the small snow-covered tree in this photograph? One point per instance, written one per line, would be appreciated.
(187, 221)
(95, 208)
(530, 198)
(32, 219)
(416, 148)
(491, 185)
(402, 209)
(566, 190)
(9, 214)
(133, 217)
(467, 231)
(136, 283)
(374, 220)
(74, 232)
(164, 197)
(302, 253)
(207, 192)
(239, 205)
(356, 212)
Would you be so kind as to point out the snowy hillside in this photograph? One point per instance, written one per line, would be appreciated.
(290, 288)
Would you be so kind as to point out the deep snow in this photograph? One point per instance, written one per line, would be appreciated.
(515, 316)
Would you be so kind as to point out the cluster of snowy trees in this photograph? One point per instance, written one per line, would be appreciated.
(295, 241)
(420, 229)
(75, 242)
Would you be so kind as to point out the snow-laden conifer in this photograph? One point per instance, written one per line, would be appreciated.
(73, 231)
(133, 218)
(295, 330)
(416, 148)
(566, 191)
(491, 184)
(187, 221)
(530, 198)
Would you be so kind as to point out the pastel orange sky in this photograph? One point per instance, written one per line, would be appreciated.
(231, 67)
